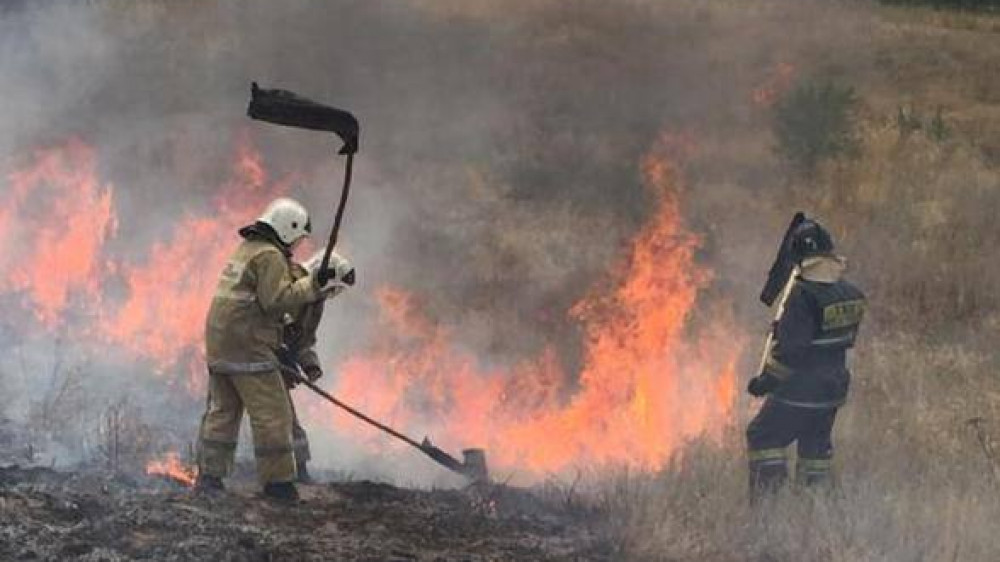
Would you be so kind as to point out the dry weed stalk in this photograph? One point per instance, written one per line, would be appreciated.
(61, 405)
(987, 445)
(126, 441)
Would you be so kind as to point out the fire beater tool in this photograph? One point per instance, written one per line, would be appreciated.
(783, 264)
(780, 280)
(473, 467)
(287, 108)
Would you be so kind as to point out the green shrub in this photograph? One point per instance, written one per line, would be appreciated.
(815, 122)
(909, 121)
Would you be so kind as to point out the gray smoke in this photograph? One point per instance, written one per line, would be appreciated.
(498, 177)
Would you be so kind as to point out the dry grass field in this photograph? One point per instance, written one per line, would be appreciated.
(527, 121)
(916, 215)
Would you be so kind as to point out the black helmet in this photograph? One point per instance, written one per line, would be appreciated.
(810, 239)
(804, 238)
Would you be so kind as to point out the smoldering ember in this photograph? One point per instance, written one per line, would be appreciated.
(531, 280)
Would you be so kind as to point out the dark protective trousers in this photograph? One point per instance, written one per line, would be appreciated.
(777, 426)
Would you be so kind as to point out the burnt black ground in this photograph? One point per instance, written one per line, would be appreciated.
(97, 516)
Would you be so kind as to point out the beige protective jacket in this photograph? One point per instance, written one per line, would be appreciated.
(245, 322)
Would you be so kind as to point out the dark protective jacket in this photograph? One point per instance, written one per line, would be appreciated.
(819, 325)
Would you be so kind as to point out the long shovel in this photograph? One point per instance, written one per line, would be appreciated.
(473, 468)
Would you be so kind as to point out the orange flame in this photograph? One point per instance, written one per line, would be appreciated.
(170, 466)
(649, 382)
(53, 226)
(55, 221)
(163, 316)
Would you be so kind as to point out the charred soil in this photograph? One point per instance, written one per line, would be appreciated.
(92, 515)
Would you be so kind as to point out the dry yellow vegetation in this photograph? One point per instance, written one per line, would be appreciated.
(916, 215)
(505, 137)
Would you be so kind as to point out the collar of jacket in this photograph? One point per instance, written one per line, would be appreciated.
(823, 269)
(263, 232)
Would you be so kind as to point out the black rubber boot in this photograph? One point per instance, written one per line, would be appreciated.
(766, 480)
(206, 484)
(813, 473)
(284, 492)
(302, 475)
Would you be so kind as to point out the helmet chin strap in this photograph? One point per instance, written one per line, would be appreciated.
(267, 232)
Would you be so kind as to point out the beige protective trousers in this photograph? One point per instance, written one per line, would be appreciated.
(266, 401)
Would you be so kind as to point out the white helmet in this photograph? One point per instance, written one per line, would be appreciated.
(288, 218)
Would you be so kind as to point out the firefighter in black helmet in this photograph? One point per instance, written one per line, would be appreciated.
(804, 376)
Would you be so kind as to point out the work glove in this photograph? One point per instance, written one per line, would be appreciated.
(338, 275)
(763, 384)
(290, 381)
(313, 372)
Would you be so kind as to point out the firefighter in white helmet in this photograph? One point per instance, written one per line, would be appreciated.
(243, 334)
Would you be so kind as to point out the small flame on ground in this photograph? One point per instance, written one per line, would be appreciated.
(171, 467)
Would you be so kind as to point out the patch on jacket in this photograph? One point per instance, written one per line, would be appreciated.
(843, 314)
(233, 271)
